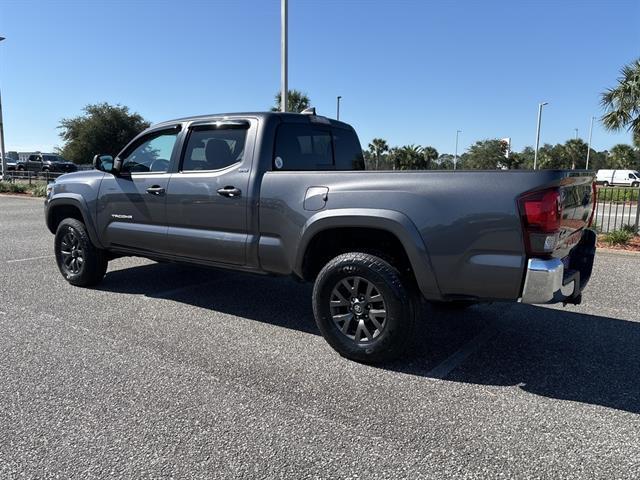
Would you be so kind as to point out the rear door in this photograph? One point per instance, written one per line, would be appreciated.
(132, 205)
(208, 198)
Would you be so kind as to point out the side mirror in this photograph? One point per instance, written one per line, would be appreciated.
(103, 163)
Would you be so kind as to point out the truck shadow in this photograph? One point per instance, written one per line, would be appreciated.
(555, 353)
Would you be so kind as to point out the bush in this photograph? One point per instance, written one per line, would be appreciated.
(39, 191)
(7, 187)
(629, 229)
(618, 237)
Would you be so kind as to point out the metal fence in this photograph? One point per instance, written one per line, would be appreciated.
(36, 177)
(617, 207)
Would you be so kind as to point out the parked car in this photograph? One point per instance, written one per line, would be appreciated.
(46, 162)
(11, 164)
(287, 194)
(618, 177)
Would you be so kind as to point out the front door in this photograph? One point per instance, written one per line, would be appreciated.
(207, 198)
(132, 205)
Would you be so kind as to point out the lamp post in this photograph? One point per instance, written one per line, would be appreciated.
(535, 155)
(338, 108)
(576, 133)
(2, 152)
(455, 157)
(586, 167)
(284, 45)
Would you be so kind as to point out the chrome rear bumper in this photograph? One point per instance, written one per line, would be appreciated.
(547, 281)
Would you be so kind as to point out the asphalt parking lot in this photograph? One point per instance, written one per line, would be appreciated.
(172, 371)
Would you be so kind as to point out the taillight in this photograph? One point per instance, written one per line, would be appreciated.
(594, 199)
(541, 213)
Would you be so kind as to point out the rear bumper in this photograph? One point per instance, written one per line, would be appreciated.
(548, 281)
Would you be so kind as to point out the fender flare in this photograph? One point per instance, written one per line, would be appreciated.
(392, 221)
(77, 201)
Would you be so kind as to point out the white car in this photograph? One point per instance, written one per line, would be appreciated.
(618, 177)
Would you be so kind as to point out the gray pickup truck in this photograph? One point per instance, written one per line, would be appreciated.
(287, 194)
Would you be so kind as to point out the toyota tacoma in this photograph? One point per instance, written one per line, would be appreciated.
(287, 194)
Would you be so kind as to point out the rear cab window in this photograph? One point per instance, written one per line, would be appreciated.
(313, 147)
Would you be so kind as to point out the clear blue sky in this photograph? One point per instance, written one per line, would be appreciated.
(408, 71)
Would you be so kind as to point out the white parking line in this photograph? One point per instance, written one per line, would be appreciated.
(29, 259)
(443, 369)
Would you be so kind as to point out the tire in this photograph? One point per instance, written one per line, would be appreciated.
(21, 169)
(72, 236)
(350, 327)
(635, 184)
(605, 184)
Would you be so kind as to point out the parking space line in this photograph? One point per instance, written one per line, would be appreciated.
(29, 259)
(444, 368)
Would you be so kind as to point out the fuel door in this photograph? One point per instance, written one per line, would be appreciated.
(316, 198)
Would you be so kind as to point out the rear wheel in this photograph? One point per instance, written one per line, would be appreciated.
(605, 184)
(363, 308)
(635, 184)
(79, 261)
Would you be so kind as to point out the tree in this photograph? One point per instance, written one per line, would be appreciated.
(523, 159)
(622, 156)
(378, 147)
(622, 102)
(408, 157)
(445, 162)
(430, 155)
(576, 152)
(486, 155)
(103, 128)
(297, 101)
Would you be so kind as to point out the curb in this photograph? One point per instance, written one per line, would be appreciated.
(20, 195)
(615, 251)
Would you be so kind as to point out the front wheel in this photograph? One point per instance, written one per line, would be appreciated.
(605, 184)
(635, 184)
(79, 261)
(363, 308)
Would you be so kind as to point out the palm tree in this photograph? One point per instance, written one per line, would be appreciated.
(430, 155)
(297, 101)
(378, 147)
(622, 102)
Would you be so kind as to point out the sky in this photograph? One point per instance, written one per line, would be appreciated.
(409, 71)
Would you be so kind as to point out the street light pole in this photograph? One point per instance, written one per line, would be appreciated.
(338, 108)
(284, 47)
(576, 133)
(586, 167)
(535, 155)
(455, 157)
(2, 152)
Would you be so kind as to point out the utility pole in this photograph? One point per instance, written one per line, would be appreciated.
(586, 167)
(284, 49)
(2, 152)
(535, 155)
(455, 157)
(338, 108)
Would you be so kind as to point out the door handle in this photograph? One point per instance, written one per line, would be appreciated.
(155, 190)
(229, 192)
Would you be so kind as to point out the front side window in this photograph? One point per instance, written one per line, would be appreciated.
(152, 155)
(302, 146)
(632, 176)
(213, 149)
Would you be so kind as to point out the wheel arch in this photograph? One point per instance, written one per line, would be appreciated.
(70, 206)
(393, 226)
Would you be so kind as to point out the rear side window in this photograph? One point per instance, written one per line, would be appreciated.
(213, 149)
(348, 151)
(302, 146)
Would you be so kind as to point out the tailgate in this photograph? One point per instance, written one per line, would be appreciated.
(577, 200)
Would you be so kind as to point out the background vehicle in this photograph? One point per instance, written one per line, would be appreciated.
(286, 194)
(46, 162)
(11, 163)
(618, 177)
